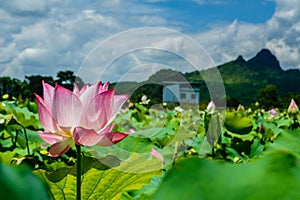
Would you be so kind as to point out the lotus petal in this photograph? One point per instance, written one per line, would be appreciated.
(60, 148)
(86, 137)
(50, 138)
(99, 111)
(48, 93)
(66, 108)
(45, 116)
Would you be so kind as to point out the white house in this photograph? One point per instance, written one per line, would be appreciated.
(181, 92)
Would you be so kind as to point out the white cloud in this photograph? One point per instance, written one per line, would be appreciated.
(287, 54)
(140, 47)
(281, 34)
(32, 53)
(44, 37)
(155, 1)
(26, 5)
(284, 33)
(202, 2)
(49, 44)
(152, 20)
(224, 43)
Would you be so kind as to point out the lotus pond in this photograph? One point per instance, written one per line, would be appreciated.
(174, 153)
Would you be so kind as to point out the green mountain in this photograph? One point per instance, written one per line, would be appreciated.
(243, 79)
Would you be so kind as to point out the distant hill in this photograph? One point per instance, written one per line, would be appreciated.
(242, 79)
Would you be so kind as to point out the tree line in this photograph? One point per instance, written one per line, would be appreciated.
(25, 89)
(267, 96)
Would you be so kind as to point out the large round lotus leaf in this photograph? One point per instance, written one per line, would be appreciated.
(100, 181)
(18, 183)
(237, 123)
(274, 176)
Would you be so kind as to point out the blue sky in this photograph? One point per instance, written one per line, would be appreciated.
(44, 37)
(199, 16)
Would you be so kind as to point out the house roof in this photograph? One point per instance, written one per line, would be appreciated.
(187, 84)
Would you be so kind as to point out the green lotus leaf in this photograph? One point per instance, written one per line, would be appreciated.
(274, 176)
(19, 183)
(237, 123)
(100, 181)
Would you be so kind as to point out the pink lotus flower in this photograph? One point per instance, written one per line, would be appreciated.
(83, 116)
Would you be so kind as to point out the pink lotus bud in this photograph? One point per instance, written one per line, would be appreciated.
(272, 112)
(82, 116)
(240, 107)
(293, 108)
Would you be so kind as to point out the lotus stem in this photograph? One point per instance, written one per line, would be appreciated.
(78, 174)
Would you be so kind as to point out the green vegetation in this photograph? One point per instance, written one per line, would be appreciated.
(177, 153)
(33, 84)
(258, 79)
(245, 153)
(245, 82)
(244, 79)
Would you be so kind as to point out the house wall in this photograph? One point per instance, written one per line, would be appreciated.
(171, 94)
(178, 93)
(189, 95)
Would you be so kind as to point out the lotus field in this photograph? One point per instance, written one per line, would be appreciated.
(93, 144)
